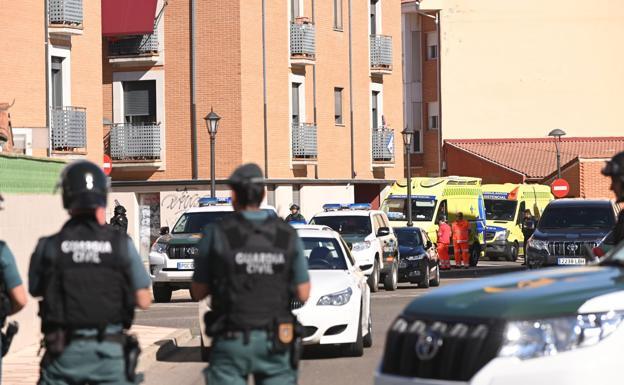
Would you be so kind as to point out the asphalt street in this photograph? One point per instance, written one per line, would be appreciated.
(320, 366)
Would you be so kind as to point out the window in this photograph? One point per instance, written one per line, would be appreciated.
(295, 103)
(416, 142)
(57, 82)
(295, 10)
(375, 108)
(324, 254)
(338, 14)
(373, 17)
(140, 101)
(432, 45)
(433, 113)
(433, 122)
(338, 105)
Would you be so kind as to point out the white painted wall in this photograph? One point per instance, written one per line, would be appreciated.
(314, 197)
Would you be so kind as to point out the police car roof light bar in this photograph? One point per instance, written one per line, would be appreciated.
(335, 206)
(208, 201)
(360, 206)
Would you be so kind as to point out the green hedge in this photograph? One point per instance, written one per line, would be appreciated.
(27, 175)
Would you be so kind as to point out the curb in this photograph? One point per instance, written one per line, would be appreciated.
(163, 348)
(475, 272)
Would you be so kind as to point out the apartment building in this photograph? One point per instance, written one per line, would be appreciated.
(310, 90)
(49, 77)
(511, 70)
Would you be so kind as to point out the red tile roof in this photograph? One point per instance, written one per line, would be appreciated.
(536, 157)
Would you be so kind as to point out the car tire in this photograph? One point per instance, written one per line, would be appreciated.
(356, 349)
(512, 252)
(391, 280)
(475, 254)
(373, 279)
(436, 278)
(426, 280)
(162, 293)
(367, 340)
(204, 351)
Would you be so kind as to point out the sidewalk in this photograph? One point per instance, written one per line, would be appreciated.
(22, 367)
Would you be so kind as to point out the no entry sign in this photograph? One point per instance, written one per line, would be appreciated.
(107, 165)
(560, 188)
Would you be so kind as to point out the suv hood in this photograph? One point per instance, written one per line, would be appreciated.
(570, 234)
(546, 293)
(180, 239)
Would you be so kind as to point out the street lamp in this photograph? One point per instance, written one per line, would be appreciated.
(557, 133)
(212, 123)
(407, 142)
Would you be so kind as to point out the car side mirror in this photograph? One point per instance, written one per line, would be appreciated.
(164, 230)
(383, 231)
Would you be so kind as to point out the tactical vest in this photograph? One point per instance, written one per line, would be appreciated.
(5, 301)
(252, 272)
(87, 278)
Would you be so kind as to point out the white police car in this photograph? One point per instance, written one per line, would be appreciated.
(171, 257)
(373, 242)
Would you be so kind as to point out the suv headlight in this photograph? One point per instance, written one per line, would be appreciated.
(537, 244)
(160, 248)
(336, 299)
(547, 337)
(501, 235)
(359, 246)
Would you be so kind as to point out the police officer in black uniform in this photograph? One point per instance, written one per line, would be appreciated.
(90, 278)
(615, 169)
(295, 215)
(119, 220)
(529, 223)
(253, 265)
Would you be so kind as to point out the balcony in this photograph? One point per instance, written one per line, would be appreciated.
(304, 143)
(65, 17)
(135, 145)
(383, 147)
(381, 54)
(138, 50)
(302, 42)
(69, 129)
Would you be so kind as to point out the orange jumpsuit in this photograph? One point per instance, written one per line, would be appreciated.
(444, 239)
(461, 232)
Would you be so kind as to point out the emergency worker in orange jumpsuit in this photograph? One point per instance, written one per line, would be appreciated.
(444, 239)
(461, 236)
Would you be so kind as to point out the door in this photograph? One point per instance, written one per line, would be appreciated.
(295, 103)
(373, 17)
(57, 82)
(375, 108)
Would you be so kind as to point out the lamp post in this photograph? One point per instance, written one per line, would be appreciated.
(212, 123)
(407, 141)
(557, 134)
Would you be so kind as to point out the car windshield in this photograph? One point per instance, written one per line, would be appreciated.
(346, 225)
(324, 254)
(500, 210)
(422, 209)
(193, 223)
(595, 217)
(408, 238)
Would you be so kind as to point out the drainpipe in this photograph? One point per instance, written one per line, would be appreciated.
(47, 75)
(264, 93)
(351, 97)
(194, 163)
(437, 23)
(314, 90)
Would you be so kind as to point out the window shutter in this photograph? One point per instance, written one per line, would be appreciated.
(139, 98)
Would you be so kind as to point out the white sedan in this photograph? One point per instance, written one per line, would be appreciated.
(338, 310)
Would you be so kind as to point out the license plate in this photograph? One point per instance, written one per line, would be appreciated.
(402, 265)
(185, 266)
(571, 261)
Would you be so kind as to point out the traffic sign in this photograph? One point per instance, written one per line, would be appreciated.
(560, 188)
(107, 166)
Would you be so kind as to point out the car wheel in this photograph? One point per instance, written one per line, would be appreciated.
(356, 349)
(426, 279)
(475, 253)
(205, 351)
(512, 252)
(368, 338)
(391, 279)
(373, 279)
(436, 278)
(162, 293)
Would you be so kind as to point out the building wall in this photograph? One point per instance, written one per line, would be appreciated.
(459, 162)
(593, 183)
(520, 69)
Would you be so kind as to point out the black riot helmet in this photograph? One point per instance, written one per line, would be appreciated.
(84, 186)
(120, 210)
(615, 169)
(248, 182)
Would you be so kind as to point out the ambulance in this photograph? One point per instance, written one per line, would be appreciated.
(504, 210)
(433, 198)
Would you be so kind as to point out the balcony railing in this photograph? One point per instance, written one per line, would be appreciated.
(302, 40)
(134, 45)
(135, 142)
(304, 141)
(65, 12)
(383, 144)
(69, 128)
(381, 52)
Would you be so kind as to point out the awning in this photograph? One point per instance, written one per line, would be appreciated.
(128, 17)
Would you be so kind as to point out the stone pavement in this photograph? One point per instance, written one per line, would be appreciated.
(22, 367)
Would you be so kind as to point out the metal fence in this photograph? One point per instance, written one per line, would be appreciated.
(304, 141)
(135, 141)
(134, 45)
(69, 128)
(383, 144)
(65, 11)
(302, 39)
(381, 51)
